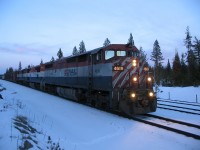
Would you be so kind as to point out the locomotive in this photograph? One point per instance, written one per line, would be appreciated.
(113, 77)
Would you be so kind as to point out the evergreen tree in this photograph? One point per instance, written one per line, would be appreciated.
(197, 51)
(52, 59)
(143, 55)
(157, 57)
(60, 54)
(9, 74)
(177, 70)
(184, 71)
(75, 51)
(106, 42)
(192, 68)
(20, 66)
(82, 48)
(187, 41)
(130, 40)
(197, 55)
(192, 59)
(168, 74)
(168, 68)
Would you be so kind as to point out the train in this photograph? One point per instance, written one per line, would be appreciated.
(114, 77)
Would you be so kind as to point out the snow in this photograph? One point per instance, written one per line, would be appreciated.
(190, 118)
(180, 93)
(78, 127)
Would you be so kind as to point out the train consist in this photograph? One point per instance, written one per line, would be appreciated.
(113, 77)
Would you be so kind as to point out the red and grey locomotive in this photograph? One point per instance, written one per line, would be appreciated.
(114, 77)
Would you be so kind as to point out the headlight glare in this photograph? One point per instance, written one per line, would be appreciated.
(133, 95)
(134, 62)
(149, 79)
(134, 79)
(151, 94)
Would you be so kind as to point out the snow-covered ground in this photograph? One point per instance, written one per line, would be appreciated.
(190, 94)
(30, 117)
(184, 94)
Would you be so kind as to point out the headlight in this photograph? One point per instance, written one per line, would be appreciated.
(146, 69)
(149, 79)
(134, 62)
(134, 79)
(133, 95)
(151, 94)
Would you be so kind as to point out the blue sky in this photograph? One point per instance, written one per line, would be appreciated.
(31, 30)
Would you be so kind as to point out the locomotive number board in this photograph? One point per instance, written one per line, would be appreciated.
(118, 68)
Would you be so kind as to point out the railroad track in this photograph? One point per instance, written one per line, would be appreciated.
(179, 102)
(190, 130)
(198, 110)
(188, 112)
(180, 107)
(179, 110)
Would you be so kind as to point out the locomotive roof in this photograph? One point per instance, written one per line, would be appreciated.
(96, 50)
(121, 47)
(111, 46)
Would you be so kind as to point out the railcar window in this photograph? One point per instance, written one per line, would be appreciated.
(109, 54)
(121, 53)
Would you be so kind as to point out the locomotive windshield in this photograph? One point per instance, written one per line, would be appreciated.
(109, 54)
(133, 54)
(121, 53)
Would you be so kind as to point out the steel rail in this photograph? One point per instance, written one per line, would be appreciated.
(176, 102)
(194, 103)
(180, 107)
(188, 134)
(175, 121)
(188, 112)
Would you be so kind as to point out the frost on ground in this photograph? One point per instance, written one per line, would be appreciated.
(36, 120)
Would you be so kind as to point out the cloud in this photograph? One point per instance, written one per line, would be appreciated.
(31, 53)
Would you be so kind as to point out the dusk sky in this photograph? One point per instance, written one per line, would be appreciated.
(31, 30)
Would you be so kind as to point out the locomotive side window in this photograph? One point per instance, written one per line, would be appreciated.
(132, 54)
(98, 56)
(121, 53)
(109, 54)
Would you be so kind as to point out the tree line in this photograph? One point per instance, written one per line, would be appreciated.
(185, 68)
